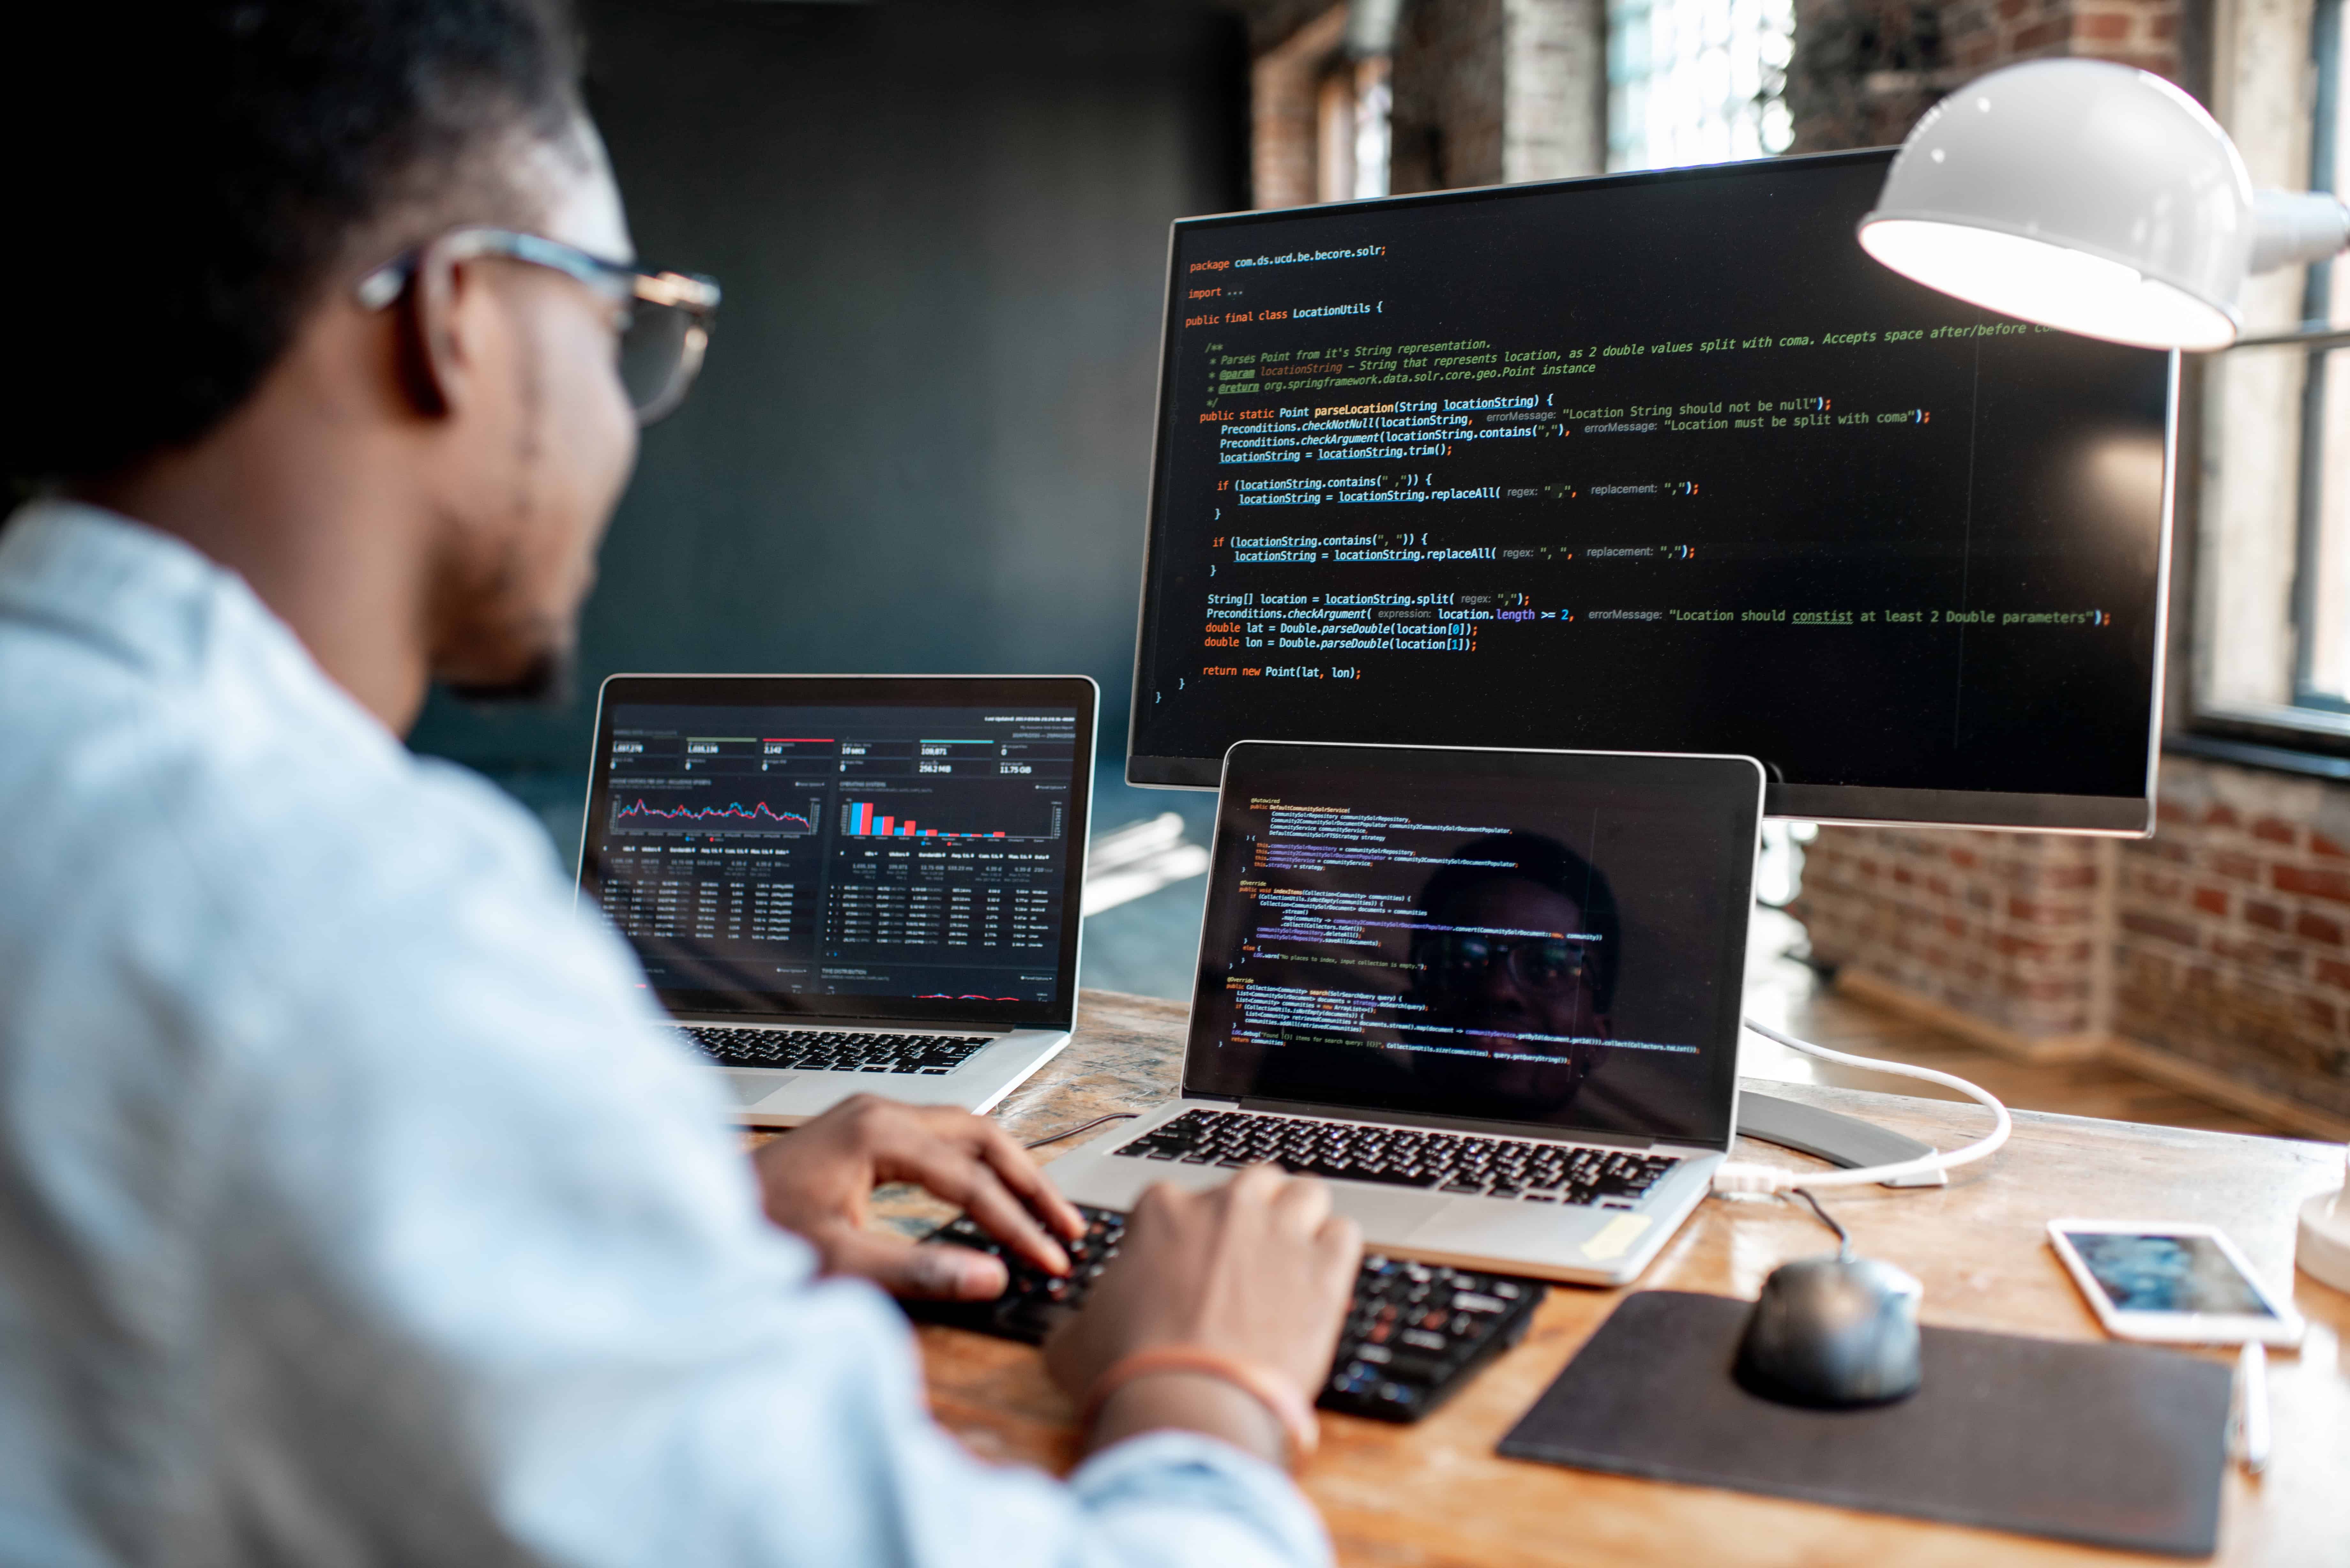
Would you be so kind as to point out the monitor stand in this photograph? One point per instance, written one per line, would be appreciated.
(1843, 1141)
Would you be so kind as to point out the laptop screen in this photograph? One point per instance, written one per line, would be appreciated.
(876, 847)
(1551, 940)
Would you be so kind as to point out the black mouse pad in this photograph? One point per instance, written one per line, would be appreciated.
(2114, 1444)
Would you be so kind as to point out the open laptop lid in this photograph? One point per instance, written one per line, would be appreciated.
(1528, 942)
(897, 849)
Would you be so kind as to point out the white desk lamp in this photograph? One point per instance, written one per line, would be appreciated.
(2095, 198)
(2104, 201)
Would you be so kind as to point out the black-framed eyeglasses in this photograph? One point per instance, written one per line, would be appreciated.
(1458, 960)
(665, 316)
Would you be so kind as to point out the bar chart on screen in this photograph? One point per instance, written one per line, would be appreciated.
(920, 818)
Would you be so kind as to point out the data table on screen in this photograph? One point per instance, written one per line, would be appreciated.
(890, 851)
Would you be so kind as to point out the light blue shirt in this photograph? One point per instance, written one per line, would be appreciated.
(352, 1210)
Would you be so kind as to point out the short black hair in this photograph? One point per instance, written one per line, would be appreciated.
(186, 175)
(1550, 864)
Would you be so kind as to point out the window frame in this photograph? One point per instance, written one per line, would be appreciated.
(2310, 732)
(2317, 305)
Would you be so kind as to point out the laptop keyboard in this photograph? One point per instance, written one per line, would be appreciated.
(1407, 1156)
(831, 1051)
(1414, 1334)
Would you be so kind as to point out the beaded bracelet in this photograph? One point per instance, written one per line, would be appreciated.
(1268, 1388)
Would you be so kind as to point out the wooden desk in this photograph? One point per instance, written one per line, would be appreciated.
(1437, 1494)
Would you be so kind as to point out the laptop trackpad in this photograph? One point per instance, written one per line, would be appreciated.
(750, 1088)
(1482, 1225)
(1388, 1217)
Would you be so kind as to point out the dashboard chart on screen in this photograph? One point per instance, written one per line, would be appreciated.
(914, 853)
(1652, 462)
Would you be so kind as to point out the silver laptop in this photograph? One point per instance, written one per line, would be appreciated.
(843, 884)
(1492, 996)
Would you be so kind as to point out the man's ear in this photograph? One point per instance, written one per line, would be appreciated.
(437, 363)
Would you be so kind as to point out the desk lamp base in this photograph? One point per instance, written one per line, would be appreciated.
(2324, 1251)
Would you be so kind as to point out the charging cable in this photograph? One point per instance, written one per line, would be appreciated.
(1737, 1176)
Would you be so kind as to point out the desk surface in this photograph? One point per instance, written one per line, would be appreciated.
(1436, 1494)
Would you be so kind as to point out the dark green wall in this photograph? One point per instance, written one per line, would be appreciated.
(923, 436)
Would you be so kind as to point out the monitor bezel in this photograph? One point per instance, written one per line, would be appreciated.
(873, 690)
(2120, 817)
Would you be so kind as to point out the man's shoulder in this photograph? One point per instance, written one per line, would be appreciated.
(158, 715)
(234, 813)
(204, 776)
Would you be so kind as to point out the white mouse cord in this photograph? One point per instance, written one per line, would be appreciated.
(1736, 1176)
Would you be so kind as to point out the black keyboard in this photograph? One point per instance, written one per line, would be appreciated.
(1407, 1156)
(1416, 1333)
(827, 1051)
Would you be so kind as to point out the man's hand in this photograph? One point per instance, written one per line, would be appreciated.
(1259, 1269)
(816, 1181)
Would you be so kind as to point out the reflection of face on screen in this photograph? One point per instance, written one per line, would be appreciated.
(1518, 951)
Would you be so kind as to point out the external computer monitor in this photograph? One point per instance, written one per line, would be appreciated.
(1653, 462)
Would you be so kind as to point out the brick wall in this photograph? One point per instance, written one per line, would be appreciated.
(1495, 90)
(1484, 91)
(2232, 948)
(2215, 954)
(1448, 85)
(1863, 70)
(1981, 34)
(1555, 110)
(2002, 929)
(1285, 95)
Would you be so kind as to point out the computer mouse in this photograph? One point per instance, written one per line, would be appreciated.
(1833, 1334)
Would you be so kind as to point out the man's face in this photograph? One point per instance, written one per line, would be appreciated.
(552, 442)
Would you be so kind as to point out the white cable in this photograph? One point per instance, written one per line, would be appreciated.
(1736, 1176)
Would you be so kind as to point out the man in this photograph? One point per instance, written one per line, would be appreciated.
(350, 1210)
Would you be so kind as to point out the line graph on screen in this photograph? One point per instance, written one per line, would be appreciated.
(786, 818)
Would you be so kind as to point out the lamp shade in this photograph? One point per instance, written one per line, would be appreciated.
(2078, 195)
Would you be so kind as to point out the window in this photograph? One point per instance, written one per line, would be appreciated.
(1696, 81)
(2272, 590)
(1320, 111)
(2321, 559)
(1351, 130)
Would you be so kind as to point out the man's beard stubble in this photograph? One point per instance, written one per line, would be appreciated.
(547, 682)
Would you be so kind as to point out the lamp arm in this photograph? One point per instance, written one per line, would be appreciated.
(2296, 227)
(2309, 337)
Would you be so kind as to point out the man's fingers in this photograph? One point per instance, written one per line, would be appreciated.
(1004, 1217)
(918, 1271)
(1340, 1240)
(1301, 1204)
(1158, 1206)
(915, 1142)
(1018, 1170)
(938, 1149)
(1255, 1184)
(964, 1179)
